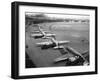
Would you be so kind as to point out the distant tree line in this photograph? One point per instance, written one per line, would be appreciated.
(41, 18)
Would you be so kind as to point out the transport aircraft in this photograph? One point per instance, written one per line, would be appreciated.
(53, 43)
(41, 34)
(75, 53)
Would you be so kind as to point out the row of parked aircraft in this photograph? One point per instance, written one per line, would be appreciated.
(55, 44)
(41, 34)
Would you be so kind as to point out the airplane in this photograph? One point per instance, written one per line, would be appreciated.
(75, 55)
(42, 34)
(52, 44)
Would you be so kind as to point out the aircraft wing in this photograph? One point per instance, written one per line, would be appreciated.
(58, 47)
(43, 43)
(61, 58)
(63, 42)
(33, 35)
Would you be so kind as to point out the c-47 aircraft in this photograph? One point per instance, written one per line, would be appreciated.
(41, 34)
(52, 44)
(77, 57)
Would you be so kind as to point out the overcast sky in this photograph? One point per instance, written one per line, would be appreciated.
(75, 16)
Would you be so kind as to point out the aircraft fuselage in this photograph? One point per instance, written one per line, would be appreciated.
(43, 36)
(37, 37)
(48, 46)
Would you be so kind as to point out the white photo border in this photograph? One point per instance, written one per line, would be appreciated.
(54, 70)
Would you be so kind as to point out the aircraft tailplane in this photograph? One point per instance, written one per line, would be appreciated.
(58, 47)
